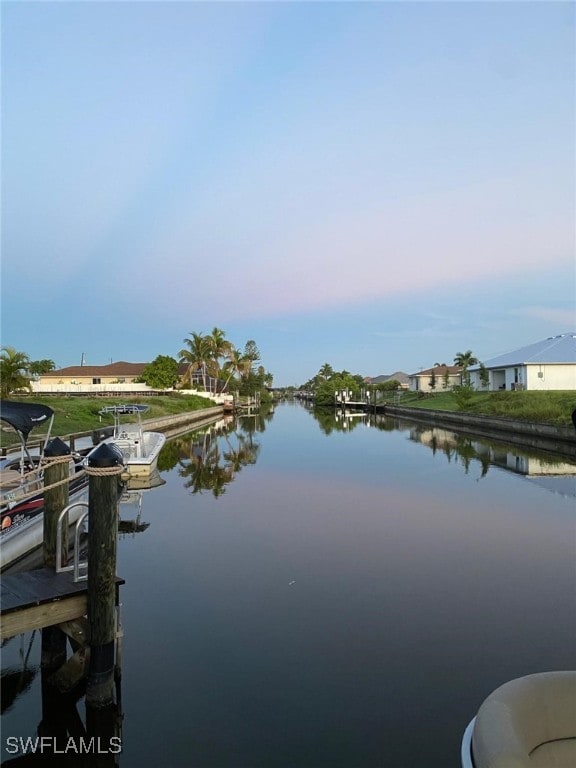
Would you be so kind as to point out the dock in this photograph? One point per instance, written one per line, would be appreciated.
(41, 598)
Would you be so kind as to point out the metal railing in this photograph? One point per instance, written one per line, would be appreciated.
(77, 563)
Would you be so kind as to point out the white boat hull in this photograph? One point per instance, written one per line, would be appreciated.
(526, 721)
(140, 450)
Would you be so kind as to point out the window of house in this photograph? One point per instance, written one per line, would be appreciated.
(96, 381)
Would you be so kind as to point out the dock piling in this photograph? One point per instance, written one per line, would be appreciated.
(104, 469)
(56, 498)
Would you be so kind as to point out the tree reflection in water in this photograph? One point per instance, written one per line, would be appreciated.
(209, 459)
(466, 449)
(338, 419)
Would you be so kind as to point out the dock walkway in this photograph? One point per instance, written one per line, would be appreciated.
(40, 598)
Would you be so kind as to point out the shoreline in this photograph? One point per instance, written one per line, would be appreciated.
(547, 437)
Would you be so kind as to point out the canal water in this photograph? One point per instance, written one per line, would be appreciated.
(334, 592)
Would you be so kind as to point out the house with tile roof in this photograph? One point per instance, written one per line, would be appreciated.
(119, 377)
(546, 365)
(444, 377)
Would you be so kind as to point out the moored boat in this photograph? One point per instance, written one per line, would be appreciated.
(140, 448)
(22, 482)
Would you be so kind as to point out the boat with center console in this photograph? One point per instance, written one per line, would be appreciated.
(140, 448)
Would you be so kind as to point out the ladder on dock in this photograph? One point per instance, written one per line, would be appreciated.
(45, 597)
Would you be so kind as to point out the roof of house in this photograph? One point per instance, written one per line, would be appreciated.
(113, 369)
(120, 368)
(399, 376)
(555, 349)
(439, 370)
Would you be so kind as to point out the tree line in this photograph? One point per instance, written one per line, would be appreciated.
(327, 381)
(212, 362)
(17, 369)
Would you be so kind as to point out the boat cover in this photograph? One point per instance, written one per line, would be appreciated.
(24, 416)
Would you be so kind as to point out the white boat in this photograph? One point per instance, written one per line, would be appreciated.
(22, 484)
(140, 448)
(529, 722)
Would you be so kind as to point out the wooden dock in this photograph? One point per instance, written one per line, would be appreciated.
(41, 598)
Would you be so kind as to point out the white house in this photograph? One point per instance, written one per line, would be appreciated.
(92, 379)
(546, 365)
(116, 379)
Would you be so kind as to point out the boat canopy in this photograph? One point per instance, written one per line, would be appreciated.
(23, 417)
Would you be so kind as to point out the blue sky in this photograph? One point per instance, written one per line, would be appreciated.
(376, 185)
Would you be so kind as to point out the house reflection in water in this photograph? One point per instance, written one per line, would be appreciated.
(561, 473)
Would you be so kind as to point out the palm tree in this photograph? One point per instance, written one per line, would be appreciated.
(465, 360)
(326, 371)
(38, 367)
(14, 367)
(221, 348)
(237, 363)
(197, 356)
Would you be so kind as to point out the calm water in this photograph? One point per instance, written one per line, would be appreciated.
(309, 595)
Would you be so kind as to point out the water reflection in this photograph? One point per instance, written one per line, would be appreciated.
(346, 588)
(554, 472)
(468, 450)
(59, 733)
(130, 514)
(131, 502)
(20, 674)
(210, 458)
(339, 419)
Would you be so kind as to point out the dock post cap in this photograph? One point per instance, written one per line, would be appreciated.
(106, 455)
(56, 447)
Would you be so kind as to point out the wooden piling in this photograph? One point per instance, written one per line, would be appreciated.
(55, 499)
(104, 468)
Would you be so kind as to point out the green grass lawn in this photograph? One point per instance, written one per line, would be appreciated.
(80, 414)
(536, 407)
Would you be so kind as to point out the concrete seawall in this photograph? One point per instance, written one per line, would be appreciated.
(193, 418)
(548, 437)
(169, 425)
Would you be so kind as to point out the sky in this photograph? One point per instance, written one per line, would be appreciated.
(374, 185)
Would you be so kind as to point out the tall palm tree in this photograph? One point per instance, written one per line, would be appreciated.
(197, 356)
(465, 360)
(221, 349)
(237, 363)
(14, 367)
(326, 371)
